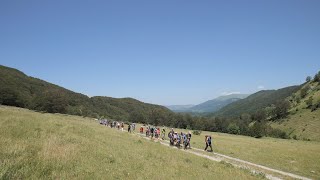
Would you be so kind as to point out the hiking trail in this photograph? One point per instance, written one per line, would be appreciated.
(270, 173)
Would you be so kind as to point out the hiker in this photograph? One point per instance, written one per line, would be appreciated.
(189, 139)
(181, 135)
(129, 128)
(152, 132)
(186, 141)
(208, 140)
(170, 136)
(172, 131)
(133, 127)
(158, 133)
(155, 131)
(122, 126)
(178, 141)
(141, 130)
(163, 133)
(118, 125)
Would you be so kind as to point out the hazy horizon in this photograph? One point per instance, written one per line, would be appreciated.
(163, 52)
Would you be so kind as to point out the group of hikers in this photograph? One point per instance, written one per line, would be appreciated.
(112, 124)
(153, 132)
(175, 138)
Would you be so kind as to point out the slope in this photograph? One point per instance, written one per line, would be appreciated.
(53, 146)
(18, 89)
(254, 102)
(303, 122)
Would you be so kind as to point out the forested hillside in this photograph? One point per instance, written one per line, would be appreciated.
(18, 89)
(255, 102)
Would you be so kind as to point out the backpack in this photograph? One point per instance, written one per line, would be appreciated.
(184, 137)
(209, 140)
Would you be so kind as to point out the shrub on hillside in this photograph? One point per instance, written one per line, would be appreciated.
(281, 109)
(257, 130)
(197, 132)
(304, 91)
(317, 77)
(277, 133)
(314, 107)
(308, 79)
(309, 102)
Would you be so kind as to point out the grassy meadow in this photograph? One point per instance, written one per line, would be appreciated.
(53, 146)
(298, 157)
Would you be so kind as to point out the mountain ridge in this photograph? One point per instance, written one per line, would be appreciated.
(256, 101)
(209, 106)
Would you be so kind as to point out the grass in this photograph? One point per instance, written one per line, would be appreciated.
(298, 157)
(53, 146)
(305, 125)
(302, 123)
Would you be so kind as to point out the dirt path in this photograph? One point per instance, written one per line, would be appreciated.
(270, 173)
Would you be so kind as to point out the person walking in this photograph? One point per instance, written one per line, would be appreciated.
(158, 133)
(163, 133)
(152, 132)
(122, 126)
(208, 140)
(189, 139)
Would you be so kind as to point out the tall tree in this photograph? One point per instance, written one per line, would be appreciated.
(281, 109)
(308, 79)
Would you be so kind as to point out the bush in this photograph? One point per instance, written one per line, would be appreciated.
(304, 91)
(197, 132)
(233, 129)
(308, 79)
(295, 137)
(257, 130)
(309, 102)
(317, 77)
(277, 133)
(281, 110)
(314, 107)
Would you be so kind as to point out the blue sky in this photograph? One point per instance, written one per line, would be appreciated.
(163, 52)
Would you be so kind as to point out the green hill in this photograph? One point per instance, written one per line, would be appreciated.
(18, 89)
(303, 121)
(254, 102)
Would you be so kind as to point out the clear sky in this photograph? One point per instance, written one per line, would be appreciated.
(162, 51)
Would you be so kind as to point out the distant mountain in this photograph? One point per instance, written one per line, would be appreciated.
(217, 103)
(254, 102)
(180, 108)
(208, 106)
